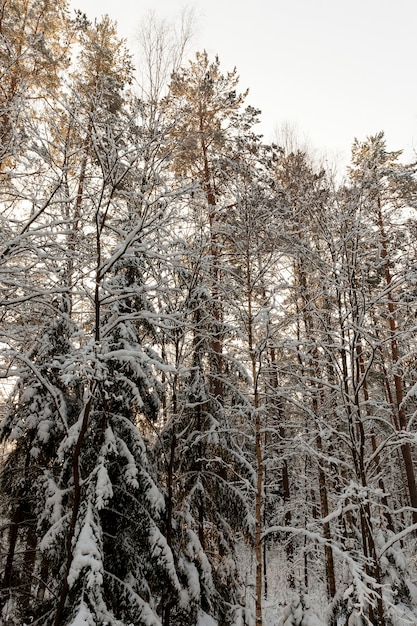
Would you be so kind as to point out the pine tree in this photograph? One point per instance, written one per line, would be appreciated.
(305, 196)
(40, 409)
(205, 108)
(207, 115)
(34, 49)
(102, 387)
(209, 482)
(385, 183)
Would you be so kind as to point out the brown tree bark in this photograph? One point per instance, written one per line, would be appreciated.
(259, 466)
(318, 402)
(398, 382)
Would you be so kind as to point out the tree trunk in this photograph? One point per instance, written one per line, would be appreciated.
(216, 341)
(75, 509)
(398, 383)
(318, 402)
(170, 504)
(19, 516)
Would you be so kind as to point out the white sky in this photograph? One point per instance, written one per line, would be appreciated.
(336, 69)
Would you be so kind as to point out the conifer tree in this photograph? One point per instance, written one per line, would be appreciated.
(38, 415)
(209, 481)
(386, 185)
(205, 108)
(207, 118)
(102, 387)
(34, 49)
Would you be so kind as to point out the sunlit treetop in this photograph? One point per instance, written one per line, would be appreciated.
(104, 66)
(205, 106)
(381, 172)
(35, 36)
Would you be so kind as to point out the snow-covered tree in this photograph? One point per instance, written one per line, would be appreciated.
(34, 50)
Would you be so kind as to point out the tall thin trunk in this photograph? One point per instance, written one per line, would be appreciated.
(289, 545)
(13, 534)
(201, 507)
(358, 441)
(30, 553)
(75, 218)
(169, 511)
(258, 449)
(76, 476)
(318, 402)
(19, 515)
(76, 455)
(258, 512)
(216, 341)
(324, 504)
(398, 382)
(381, 485)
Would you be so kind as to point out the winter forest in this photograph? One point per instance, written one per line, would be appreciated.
(208, 347)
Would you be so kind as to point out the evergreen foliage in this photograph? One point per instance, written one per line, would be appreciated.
(208, 350)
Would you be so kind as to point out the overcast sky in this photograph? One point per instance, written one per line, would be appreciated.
(335, 69)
